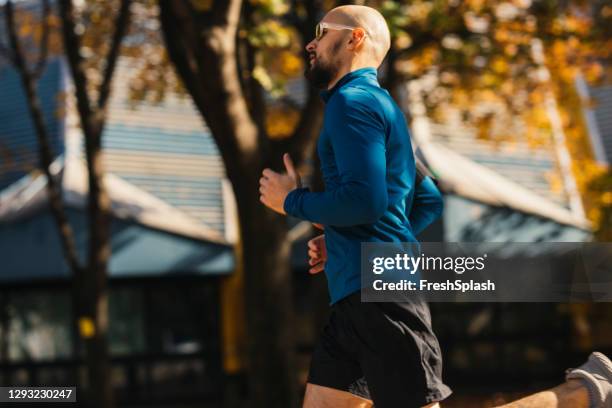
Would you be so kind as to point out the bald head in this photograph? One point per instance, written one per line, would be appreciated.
(371, 21)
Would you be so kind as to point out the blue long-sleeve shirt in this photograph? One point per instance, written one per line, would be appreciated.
(369, 172)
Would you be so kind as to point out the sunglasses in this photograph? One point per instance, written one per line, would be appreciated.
(321, 27)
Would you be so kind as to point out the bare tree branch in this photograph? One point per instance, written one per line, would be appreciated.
(46, 157)
(227, 14)
(251, 87)
(72, 46)
(122, 25)
(4, 51)
(90, 292)
(186, 65)
(44, 41)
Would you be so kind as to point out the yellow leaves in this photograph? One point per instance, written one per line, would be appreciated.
(461, 97)
(483, 126)
(499, 65)
(202, 5)
(270, 33)
(277, 53)
(449, 78)
(420, 63)
(594, 181)
(291, 64)
(523, 4)
(555, 182)
(403, 40)
(272, 7)
(593, 72)
(475, 5)
(408, 67)
(510, 50)
(606, 198)
(502, 35)
(281, 121)
(418, 11)
(538, 117)
(152, 78)
(511, 34)
(576, 24)
(487, 95)
(488, 79)
(428, 57)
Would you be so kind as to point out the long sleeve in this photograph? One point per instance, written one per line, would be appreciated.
(357, 134)
(427, 205)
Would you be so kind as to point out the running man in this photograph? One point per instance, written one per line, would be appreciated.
(384, 354)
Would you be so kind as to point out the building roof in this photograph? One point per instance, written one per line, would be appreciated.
(499, 177)
(18, 142)
(161, 151)
(531, 167)
(148, 236)
(128, 202)
(170, 204)
(466, 178)
(165, 149)
(31, 251)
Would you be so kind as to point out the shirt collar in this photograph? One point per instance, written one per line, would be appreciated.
(368, 73)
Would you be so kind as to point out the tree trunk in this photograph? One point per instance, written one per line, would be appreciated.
(202, 49)
(91, 284)
(95, 288)
(268, 294)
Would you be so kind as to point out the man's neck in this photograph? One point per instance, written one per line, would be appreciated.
(347, 69)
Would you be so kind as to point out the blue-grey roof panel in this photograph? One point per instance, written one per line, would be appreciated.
(18, 142)
(30, 250)
(468, 221)
(602, 107)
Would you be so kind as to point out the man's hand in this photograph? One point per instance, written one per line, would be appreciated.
(317, 254)
(274, 187)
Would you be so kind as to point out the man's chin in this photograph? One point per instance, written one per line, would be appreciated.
(316, 78)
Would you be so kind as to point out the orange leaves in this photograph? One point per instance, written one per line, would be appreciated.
(290, 64)
(594, 181)
(476, 5)
(275, 44)
(281, 121)
(202, 5)
(500, 65)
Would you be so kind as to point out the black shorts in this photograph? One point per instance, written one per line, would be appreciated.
(385, 352)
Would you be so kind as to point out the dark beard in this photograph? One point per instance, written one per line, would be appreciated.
(319, 74)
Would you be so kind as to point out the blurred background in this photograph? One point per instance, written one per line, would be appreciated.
(136, 261)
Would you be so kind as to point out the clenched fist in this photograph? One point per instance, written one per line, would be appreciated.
(317, 254)
(274, 187)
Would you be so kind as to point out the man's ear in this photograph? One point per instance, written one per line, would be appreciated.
(358, 35)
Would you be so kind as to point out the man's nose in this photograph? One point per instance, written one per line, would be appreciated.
(311, 46)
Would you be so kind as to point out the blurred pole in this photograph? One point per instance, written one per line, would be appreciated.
(559, 140)
(591, 121)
